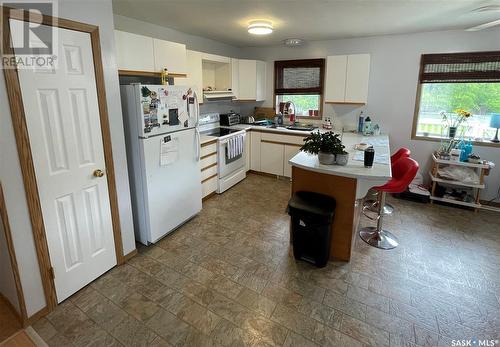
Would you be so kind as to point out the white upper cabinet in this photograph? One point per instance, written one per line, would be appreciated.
(252, 80)
(358, 74)
(261, 81)
(194, 77)
(170, 55)
(347, 78)
(134, 52)
(336, 71)
(142, 53)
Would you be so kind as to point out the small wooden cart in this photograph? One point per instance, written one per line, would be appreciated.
(482, 170)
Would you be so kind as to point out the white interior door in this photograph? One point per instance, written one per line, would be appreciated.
(62, 115)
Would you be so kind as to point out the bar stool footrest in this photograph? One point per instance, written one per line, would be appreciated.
(382, 239)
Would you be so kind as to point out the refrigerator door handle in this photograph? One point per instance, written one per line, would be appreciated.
(197, 108)
(198, 145)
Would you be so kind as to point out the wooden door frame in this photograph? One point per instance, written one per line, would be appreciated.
(13, 260)
(24, 149)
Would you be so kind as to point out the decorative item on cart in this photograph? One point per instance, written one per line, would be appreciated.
(452, 121)
(326, 145)
(466, 148)
(446, 146)
(455, 154)
(474, 158)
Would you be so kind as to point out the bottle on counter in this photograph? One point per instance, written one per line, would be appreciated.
(361, 122)
(367, 129)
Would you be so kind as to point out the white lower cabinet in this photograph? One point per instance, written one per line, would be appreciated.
(209, 187)
(271, 157)
(255, 151)
(208, 167)
(270, 152)
(290, 152)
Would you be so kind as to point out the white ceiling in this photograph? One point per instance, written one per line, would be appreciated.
(226, 20)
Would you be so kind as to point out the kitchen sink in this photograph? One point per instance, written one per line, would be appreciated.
(300, 128)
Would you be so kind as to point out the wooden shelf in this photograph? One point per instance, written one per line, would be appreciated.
(455, 183)
(459, 163)
(456, 202)
(148, 73)
(481, 169)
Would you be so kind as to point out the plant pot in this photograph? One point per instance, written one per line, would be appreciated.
(452, 131)
(326, 158)
(342, 159)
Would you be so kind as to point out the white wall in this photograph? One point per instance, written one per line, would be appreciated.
(7, 282)
(393, 81)
(97, 12)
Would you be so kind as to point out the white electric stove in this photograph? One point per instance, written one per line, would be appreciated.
(230, 170)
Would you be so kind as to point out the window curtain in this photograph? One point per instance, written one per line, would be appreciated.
(460, 67)
(299, 76)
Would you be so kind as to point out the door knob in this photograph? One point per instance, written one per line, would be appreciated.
(98, 173)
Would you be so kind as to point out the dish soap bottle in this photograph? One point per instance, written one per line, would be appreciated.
(361, 122)
(367, 129)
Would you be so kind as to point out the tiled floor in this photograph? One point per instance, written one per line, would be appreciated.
(227, 279)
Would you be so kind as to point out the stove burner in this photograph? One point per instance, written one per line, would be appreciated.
(220, 132)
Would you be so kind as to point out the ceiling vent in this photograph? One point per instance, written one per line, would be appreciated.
(293, 42)
(485, 9)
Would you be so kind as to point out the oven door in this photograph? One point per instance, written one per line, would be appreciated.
(227, 166)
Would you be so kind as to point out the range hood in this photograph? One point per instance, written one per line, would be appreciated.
(218, 95)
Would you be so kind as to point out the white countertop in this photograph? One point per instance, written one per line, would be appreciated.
(207, 138)
(354, 168)
(283, 130)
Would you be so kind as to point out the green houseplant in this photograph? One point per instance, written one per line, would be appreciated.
(325, 145)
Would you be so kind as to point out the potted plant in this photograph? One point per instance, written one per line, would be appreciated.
(342, 158)
(325, 145)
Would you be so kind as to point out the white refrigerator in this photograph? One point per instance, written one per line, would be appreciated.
(163, 153)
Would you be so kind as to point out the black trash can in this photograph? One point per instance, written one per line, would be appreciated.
(312, 216)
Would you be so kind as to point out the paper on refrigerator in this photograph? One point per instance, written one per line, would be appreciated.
(169, 150)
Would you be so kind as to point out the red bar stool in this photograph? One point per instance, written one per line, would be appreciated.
(371, 204)
(403, 172)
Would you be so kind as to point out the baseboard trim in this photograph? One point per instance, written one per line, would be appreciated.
(129, 256)
(487, 203)
(208, 196)
(34, 318)
(260, 173)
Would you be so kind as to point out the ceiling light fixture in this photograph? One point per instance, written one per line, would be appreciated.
(293, 42)
(260, 27)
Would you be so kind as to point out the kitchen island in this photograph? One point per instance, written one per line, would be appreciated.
(347, 184)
